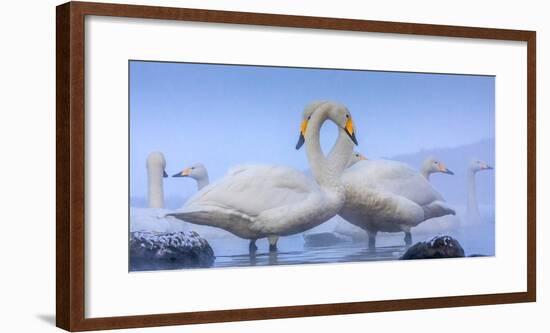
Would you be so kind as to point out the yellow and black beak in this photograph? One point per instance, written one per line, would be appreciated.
(302, 138)
(183, 173)
(350, 131)
(443, 168)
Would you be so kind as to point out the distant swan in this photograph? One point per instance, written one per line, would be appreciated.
(389, 196)
(261, 201)
(151, 219)
(472, 209)
(198, 172)
(433, 165)
(356, 157)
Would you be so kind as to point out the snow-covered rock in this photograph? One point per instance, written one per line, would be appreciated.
(437, 247)
(150, 250)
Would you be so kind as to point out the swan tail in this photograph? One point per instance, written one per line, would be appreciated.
(437, 209)
(232, 221)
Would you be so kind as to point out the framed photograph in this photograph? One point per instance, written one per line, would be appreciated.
(223, 166)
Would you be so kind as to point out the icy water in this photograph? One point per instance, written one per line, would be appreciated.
(233, 252)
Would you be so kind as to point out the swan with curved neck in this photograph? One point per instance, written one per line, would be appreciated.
(198, 172)
(155, 174)
(433, 165)
(260, 201)
(472, 209)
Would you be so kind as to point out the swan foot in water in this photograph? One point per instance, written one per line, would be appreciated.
(371, 239)
(408, 238)
(252, 248)
(273, 243)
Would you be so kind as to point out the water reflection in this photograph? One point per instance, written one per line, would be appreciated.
(348, 253)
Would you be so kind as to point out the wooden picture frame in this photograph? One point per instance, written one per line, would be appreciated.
(70, 143)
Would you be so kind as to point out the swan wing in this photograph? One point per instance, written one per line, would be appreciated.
(394, 177)
(251, 190)
(377, 209)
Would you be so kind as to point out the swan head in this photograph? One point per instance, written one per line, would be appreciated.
(196, 171)
(479, 165)
(434, 165)
(320, 111)
(356, 157)
(157, 162)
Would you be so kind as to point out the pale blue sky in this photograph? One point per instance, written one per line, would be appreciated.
(224, 115)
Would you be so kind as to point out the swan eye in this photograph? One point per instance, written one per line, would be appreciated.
(308, 117)
(356, 155)
(192, 168)
(436, 162)
(347, 115)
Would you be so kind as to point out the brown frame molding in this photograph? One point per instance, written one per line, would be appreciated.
(71, 161)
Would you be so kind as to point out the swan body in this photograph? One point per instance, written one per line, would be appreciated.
(258, 201)
(389, 196)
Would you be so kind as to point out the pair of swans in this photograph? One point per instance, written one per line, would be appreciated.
(266, 201)
(263, 201)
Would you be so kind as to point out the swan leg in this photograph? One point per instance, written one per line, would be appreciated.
(252, 248)
(272, 243)
(371, 239)
(408, 238)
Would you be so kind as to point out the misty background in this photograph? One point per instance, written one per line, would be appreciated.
(226, 115)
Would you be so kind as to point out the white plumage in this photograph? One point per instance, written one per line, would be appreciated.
(257, 201)
(389, 196)
(152, 218)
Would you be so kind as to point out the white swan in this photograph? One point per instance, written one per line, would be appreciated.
(433, 165)
(198, 172)
(389, 196)
(260, 201)
(151, 219)
(472, 208)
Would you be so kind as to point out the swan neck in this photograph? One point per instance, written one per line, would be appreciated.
(155, 193)
(338, 158)
(316, 159)
(202, 182)
(327, 171)
(472, 206)
(425, 173)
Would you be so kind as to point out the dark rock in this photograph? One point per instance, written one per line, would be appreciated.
(322, 239)
(438, 247)
(162, 250)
